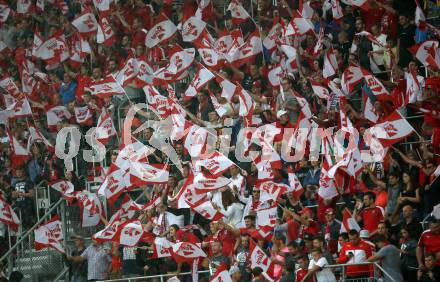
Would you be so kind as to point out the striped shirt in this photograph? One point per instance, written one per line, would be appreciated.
(98, 262)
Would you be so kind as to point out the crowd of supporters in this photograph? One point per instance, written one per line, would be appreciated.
(375, 215)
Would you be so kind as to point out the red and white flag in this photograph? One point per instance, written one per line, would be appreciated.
(150, 173)
(299, 25)
(49, 235)
(305, 108)
(371, 37)
(161, 248)
(267, 218)
(18, 154)
(184, 251)
(295, 185)
(351, 77)
(202, 77)
(258, 258)
(192, 28)
(275, 75)
(348, 222)
(320, 90)
(105, 87)
(270, 41)
(363, 4)
(20, 108)
(103, 6)
(270, 190)
(330, 64)
(246, 102)
(54, 50)
(91, 208)
(420, 19)
(129, 71)
(129, 233)
(413, 88)
(105, 127)
(86, 23)
(318, 46)
(83, 115)
(116, 181)
(105, 33)
(252, 47)
(221, 109)
(35, 135)
(238, 13)
(8, 216)
(9, 86)
(66, 188)
(369, 110)
(163, 29)
(206, 209)
(180, 61)
(216, 163)
(204, 183)
(221, 274)
(336, 10)
(57, 114)
(327, 187)
(196, 141)
(393, 129)
(228, 88)
(427, 53)
(374, 84)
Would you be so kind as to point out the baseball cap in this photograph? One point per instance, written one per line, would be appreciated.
(329, 211)
(364, 234)
(281, 113)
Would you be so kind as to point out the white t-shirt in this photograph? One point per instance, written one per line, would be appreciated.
(325, 275)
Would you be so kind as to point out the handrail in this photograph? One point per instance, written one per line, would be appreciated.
(62, 273)
(155, 276)
(206, 271)
(27, 233)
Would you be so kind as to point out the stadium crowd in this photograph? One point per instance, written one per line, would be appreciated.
(320, 63)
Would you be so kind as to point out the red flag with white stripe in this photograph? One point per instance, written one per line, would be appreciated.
(327, 187)
(105, 87)
(7, 215)
(202, 77)
(206, 209)
(420, 19)
(221, 274)
(49, 235)
(295, 185)
(18, 154)
(427, 53)
(105, 33)
(330, 64)
(216, 163)
(393, 129)
(163, 29)
(375, 85)
(246, 102)
(83, 115)
(105, 127)
(270, 190)
(91, 208)
(348, 222)
(299, 25)
(238, 13)
(57, 114)
(180, 61)
(86, 23)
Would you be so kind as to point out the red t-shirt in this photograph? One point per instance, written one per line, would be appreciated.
(300, 274)
(430, 242)
(312, 229)
(228, 241)
(360, 252)
(292, 230)
(371, 218)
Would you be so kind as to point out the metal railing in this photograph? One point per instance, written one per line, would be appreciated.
(22, 255)
(161, 277)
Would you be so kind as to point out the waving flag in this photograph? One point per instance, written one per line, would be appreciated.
(180, 61)
(105, 87)
(348, 222)
(393, 129)
(413, 88)
(299, 25)
(91, 208)
(110, 231)
(36, 136)
(103, 6)
(327, 187)
(161, 31)
(50, 235)
(202, 77)
(9, 86)
(116, 181)
(252, 47)
(5, 11)
(320, 90)
(105, 127)
(330, 64)
(295, 185)
(351, 77)
(270, 190)
(20, 109)
(375, 85)
(258, 258)
(186, 252)
(83, 115)
(65, 187)
(363, 4)
(238, 13)
(206, 209)
(192, 28)
(369, 100)
(206, 183)
(129, 71)
(228, 88)
(216, 163)
(57, 114)
(305, 108)
(8, 216)
(221, 274)
(270, 41)
(246, 102)
(86, 23)
(129, 233)
(105, 33)
(275, 75)
(427, 53)
(420, 18)
(18, 154)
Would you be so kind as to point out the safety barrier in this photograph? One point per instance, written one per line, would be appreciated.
(374, 272)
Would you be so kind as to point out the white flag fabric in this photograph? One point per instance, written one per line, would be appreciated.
(49, 235)
(86, 23)
(105, 87)
(91, 208)
(8, 216)
(57, 114)
(161, 31)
